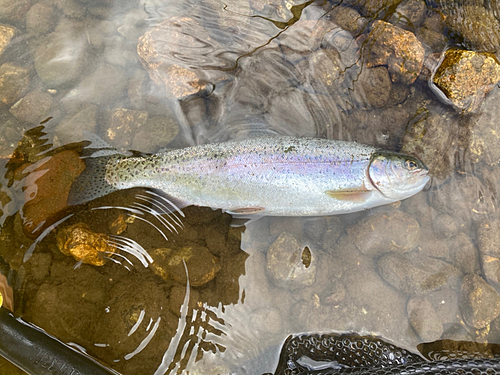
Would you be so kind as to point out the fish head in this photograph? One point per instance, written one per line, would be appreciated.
(397, 176)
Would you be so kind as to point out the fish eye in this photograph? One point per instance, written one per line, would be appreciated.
(410, 164)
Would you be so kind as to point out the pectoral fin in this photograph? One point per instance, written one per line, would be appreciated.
(349, 195)
(246, 210)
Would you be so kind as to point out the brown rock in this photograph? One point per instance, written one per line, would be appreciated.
(35, 107)
(372, 88)
(395, 48)
(47, 189)
(201, 265)
(14, 81)
(479, 302)
(14, 10)
(157, 132)
(41, 19)
(465, 77)
(424, 320)
(84, 245)
(6, 35)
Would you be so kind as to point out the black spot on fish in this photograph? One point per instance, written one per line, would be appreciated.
(289, 149)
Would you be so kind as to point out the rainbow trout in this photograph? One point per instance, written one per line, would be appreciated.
(277, 176)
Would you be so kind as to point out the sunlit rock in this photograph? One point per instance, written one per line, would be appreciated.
(47, 189)
(80, 242)
(289, 264)
(6, 35)
(123, 124)
(395, 48)
(479, 302)
(465, 77)
(14, 81)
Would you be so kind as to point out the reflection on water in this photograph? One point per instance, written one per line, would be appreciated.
(147, 289)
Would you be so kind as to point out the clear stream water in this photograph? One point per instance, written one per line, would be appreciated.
(240, 69)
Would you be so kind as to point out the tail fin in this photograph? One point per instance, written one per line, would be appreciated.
(91, 184)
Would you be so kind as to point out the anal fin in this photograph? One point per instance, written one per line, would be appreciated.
(246, 210)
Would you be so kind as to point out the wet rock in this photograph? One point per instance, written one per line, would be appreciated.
(202, 266)
(432, 247)
(41, 204)
(14, 10)
(104, 86)
(324, 70)
(306, 36)
(488, 237)
(70, 8)
(157, 44)
(465, 255)
(6, 35)
(372, 88)
(39, 266)
(445, 304)
(119, 51)
(289, 264)
(370, 234)
(485, 132)
(72, 128)
(477, 25)
(35, 107)
(424, 320)
(62, 58)
(14, 81)
(86, 246)
(177, 296)
(433, 139)
(41, 19)
(465, 77)
(414, 273)
(255, 284)
(434, 39)
(409, 14)
(372, 8)
(334, 294)
(124, 123)
(464, 199)
(348, 19)
(395, 48)
(479, 302)
(323, 232)
(444, 226)
(156, 132)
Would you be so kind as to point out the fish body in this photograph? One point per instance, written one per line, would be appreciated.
(278, 176)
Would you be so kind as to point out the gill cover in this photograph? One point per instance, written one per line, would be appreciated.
(397, 176)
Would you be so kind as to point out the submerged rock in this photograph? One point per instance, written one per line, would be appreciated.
(370, 234)
(156, 132)
(488, 236)
(423, 319)
(414, 273)
(14, 81)
(465, 77)
(6, 35)
(123, 125)
(372, 88)
(395, 48)
(41, 19)
(201, 265)
(35, 107)
(86, 246)
(477, 25)
(73, 127)
(46, 193)
(479, 302)
(14, 10)
(289, 264)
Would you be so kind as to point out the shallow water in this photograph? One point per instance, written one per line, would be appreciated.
(149, 75)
